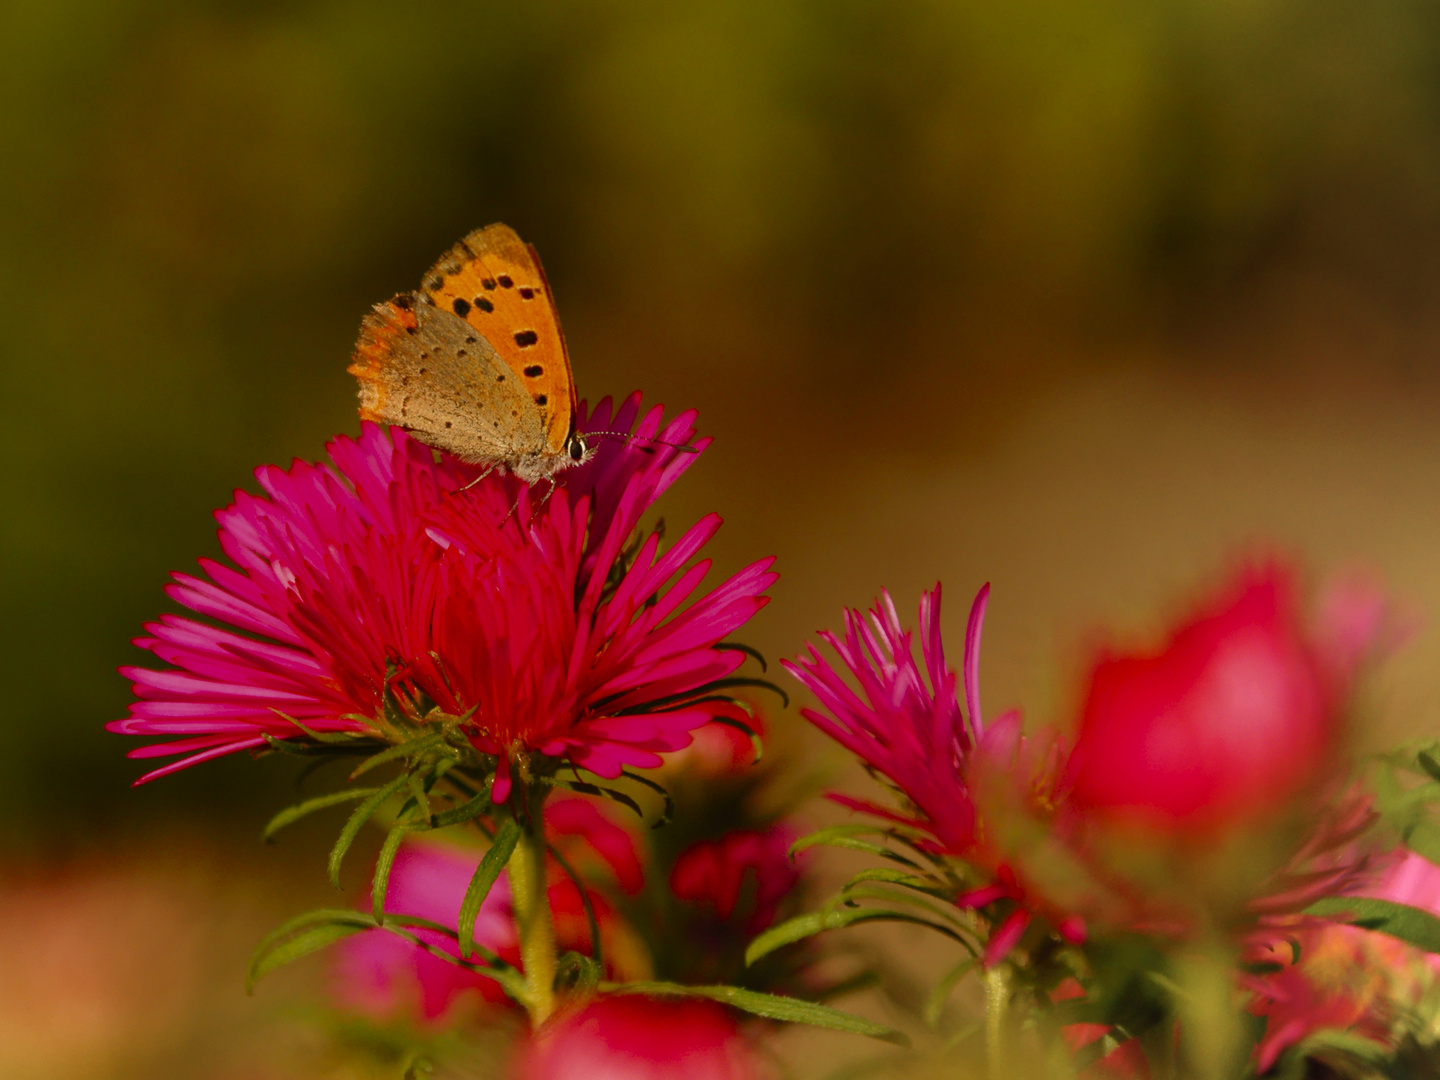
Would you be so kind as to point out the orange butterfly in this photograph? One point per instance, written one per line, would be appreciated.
(474, 362)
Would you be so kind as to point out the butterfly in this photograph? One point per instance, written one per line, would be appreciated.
(474, 363)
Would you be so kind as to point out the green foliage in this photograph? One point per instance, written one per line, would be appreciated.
(769, 1006)
(1411, 925)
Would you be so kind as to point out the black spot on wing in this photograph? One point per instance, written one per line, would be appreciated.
(461, 306)
(505, 282)
(484, 304)
(526, 338)
(534, 371)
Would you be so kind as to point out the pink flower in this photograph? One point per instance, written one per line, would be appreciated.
(392, 573)
(905, 720)
(713, 872)
(383, 975)
(1231, 718)
(638, 1038)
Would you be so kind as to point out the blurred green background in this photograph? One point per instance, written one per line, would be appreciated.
(1077, 298)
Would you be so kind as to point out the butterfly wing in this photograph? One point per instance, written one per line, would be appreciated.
(493, 280)
(429, 371)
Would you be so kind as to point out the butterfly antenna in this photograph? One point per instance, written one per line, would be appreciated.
(626, 437)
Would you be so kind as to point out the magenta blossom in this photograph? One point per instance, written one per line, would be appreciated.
(639, 1038)
(392, 574)
(714, 872)
(905, 721)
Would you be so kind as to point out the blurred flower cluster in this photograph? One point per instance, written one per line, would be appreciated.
(590, 865)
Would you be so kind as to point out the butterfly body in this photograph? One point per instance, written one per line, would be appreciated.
(474, 363)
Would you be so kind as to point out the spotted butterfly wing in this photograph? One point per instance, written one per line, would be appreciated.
(474, 363)
(493, 280)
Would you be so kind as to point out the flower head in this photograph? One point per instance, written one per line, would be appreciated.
(1230, 718)
(905, 720)
(714, 873)
(639, 1038)
(395, 580)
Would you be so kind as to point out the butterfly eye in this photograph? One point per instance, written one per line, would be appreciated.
(577, 448)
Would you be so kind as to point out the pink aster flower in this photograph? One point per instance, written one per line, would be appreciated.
(639, 1038)
(905, 719)
(714, 873)
(392, 574)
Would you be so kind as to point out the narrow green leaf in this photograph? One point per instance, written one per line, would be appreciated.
(357, 819)
(593, 924)
(506, 837)
(292, 814)
(1429, 764)
(508, 977)
(380, 884)
(843, 832)
(758, 684)
(935, 1003)
(851, 843)
(899, 877)
(813, 922)
(769, 1006)
(274, 950)
(465, 812)
(1410, 924)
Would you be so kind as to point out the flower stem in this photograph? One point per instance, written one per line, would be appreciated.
(532, 911)
(997, 998)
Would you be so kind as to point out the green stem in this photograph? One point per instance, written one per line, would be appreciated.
(532, 911)
(997, 999)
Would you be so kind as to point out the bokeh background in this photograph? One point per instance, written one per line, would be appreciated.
(1079, 299)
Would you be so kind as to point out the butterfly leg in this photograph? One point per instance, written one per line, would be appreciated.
(485, 473)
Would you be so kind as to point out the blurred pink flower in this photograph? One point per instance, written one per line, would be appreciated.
(1231, 718)
(1346, 978)
(714, 872)
(597, 835)
(394, 572)
(383, 975)
(638, 1038)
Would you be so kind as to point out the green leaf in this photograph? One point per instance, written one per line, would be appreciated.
(842, 832)
(357, 819)
(506, 837)
(770, 1006)
(508, 977)
(935, 1003)
(303, 934)
(811, 923)
(465, 812)
(292, 814)
(899, 877)
(851, 843)
(1410, 924)
(380, 884)
(591, 922)
(1428, 762)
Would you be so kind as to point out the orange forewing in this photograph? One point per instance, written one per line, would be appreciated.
(493, 280)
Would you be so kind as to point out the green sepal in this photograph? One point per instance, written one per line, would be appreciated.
(506, 837)
(1410, 924)
(332, 738)
(418, 745)
(357, 819)
(769, 1006)
(585, 788)
(749, 650)
(462, 813)
(847, 837)
(292, 814)
(668, 814)
(756, 742)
